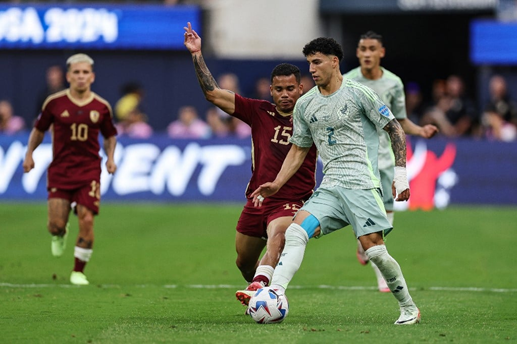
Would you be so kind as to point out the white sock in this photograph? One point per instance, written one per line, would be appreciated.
(83, 254)
(296, 240)
(391, 272)
(266, 271)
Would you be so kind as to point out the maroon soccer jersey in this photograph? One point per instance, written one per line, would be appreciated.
(75, 137)
(270, 134)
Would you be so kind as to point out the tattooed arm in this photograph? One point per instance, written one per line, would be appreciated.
(398, 142)
(223, 99)
(400, 186)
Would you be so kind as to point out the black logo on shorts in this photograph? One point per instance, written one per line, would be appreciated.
(369, 223)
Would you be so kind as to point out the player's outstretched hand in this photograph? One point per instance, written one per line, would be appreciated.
(429, 131)
(28, 164)
(192, 40)
(263, 191)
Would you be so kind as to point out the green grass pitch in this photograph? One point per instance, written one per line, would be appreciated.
(165, 273)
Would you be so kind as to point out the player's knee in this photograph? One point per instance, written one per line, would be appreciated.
(310, 225)
(56, 226)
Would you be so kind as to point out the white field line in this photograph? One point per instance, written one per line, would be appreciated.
(235, 287)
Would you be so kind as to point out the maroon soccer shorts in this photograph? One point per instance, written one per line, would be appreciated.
(88, 196)
(254, 221)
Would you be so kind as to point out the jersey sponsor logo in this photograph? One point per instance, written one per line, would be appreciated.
(94, 116)
(65, 114)
(271, 113)
(383, 110)
(369, 223)
(313, 119)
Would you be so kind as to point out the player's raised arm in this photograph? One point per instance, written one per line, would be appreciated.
(400, 184)
(223, 99)
(35, 140)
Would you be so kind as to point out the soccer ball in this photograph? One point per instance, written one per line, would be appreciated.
(267, 306)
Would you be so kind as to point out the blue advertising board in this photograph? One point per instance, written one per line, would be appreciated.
(440, 172)
(493, 42)
(99, 26)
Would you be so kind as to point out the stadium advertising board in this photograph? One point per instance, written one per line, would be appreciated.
(400, 6)
(95, 26)
(160, 169)
(493, 42)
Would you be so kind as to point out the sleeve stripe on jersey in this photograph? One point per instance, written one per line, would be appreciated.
(53, 96)
(105, 102)
(366, 90)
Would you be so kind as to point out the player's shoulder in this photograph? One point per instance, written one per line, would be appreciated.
(307, 97)
(101, 100)
(388, 75)
(55, 97)
(353, 74)
(356, 87)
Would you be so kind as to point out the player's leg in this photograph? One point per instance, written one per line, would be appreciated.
(87, 199)
(275, 244)
(387, 176)
(264, 271)
(320, 215)
(297, 235)
(58, 212)
(84, 245)
(279, 217)
(369, 223)
(392, 273)
(248, 250)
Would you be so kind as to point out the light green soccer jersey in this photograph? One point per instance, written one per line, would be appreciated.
(344, 128)
(391, 91)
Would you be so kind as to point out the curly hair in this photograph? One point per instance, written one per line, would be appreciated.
(324, 45)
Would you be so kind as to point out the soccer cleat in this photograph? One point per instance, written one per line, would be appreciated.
(361, 256)
(244, 296)
(78, 278)
(408, 316)
(58, 244)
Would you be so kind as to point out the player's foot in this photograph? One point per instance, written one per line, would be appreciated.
(78, 278)
(244, 296)
(59, 243)
(361, 256)
(409, 315)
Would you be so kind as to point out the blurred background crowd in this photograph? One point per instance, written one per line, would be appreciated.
(443, 85)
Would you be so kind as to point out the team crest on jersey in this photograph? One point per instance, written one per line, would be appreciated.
(383, 110)
(94, 116)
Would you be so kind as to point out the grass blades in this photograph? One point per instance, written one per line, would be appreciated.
(166, 274)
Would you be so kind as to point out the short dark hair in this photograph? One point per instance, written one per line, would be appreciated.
(324, 45)
(286, 69)
(371, 35)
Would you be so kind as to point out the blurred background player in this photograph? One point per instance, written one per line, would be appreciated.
(390, 89)
(271, 128)
(77, 115)
(342, 117)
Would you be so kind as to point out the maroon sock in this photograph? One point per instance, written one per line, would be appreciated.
(263, 279)
(79, 265)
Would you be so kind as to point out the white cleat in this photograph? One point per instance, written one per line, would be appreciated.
(78, 278)
(408, 316)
